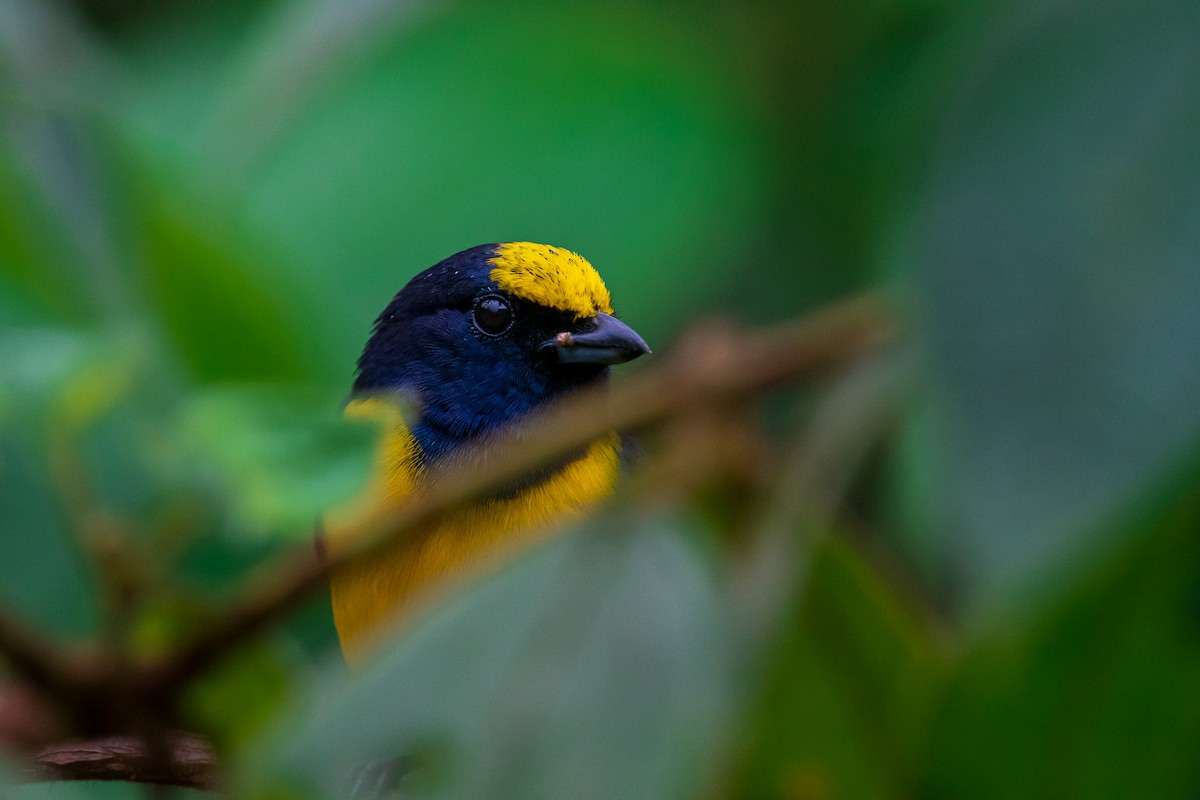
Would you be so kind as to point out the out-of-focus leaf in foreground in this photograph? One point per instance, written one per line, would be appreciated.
(1055, 256)
(597, 667)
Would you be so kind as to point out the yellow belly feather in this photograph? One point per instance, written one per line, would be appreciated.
(371, 598)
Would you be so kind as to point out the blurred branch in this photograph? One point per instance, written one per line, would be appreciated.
(714, 364)
(715, 368)
(102, 536)
(812, 482)
(192, 762)
(39, 660)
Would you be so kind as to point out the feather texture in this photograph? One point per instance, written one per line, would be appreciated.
(464, 380)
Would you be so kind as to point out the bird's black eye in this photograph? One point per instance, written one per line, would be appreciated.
(492, 314)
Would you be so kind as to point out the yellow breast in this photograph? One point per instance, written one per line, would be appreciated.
(371, 598)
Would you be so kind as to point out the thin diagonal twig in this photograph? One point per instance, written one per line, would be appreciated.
(711, 365)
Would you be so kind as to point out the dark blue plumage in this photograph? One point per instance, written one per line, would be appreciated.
(427, 344)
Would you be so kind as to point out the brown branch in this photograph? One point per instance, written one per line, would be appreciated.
(44, 663)
(713, 367)
(810, 485)
(192, 761)
(715, 364)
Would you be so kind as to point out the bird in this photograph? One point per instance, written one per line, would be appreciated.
(467, 348)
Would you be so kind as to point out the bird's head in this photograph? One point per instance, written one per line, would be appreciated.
(491, 333)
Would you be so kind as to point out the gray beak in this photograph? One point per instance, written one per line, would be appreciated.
(602, 339)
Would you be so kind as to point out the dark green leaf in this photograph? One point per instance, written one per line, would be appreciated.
(848, 690)
(1098, 698)
(226, 313)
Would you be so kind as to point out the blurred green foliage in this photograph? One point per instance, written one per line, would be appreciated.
(204, 205)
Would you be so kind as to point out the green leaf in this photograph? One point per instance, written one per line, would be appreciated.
(283, 453)
(597, 667)
(52, 380)
(234, 702)
(1100, 696)
(33, 254)
(56, 239)
(36, 362)
(1054, 258)
(844, 710)
(223, 309)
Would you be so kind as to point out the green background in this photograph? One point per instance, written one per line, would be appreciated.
(203, 206)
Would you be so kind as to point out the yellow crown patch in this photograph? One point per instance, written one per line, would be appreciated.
(551, 277)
